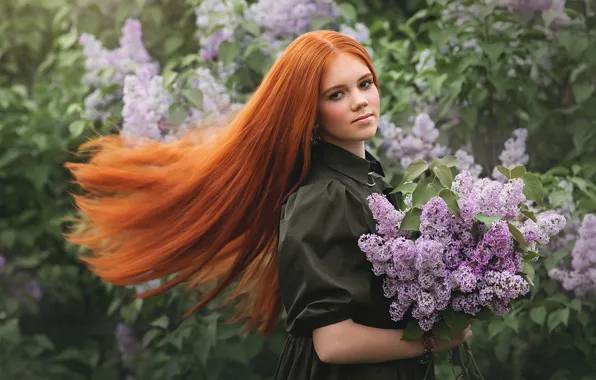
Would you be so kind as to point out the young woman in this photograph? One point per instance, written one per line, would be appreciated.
(275, 205)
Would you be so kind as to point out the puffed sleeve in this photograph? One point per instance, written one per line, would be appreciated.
(321, 269)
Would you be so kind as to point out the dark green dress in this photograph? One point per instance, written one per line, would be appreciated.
(324, 278)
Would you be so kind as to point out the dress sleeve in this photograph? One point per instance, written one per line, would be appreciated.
(321, 268)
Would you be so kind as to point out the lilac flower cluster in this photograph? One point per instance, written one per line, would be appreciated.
(290, 18)
(108, 67)
(146, 105)
(419, 143)
(514, 153)
(216, 21)
(455, 262)
(581, 277)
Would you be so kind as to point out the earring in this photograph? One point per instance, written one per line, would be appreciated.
(315, 138)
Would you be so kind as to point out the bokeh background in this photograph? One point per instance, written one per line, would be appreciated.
(493, 82)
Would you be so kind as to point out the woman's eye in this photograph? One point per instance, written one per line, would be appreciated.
(366, 83)
(335, 96)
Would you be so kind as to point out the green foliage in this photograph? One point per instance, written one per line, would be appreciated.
(524, 73)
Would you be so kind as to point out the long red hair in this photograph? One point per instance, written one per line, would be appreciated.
(208, 212)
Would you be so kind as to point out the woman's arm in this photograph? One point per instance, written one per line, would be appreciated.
(347, 342)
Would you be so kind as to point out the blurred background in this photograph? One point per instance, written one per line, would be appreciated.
(493, 82)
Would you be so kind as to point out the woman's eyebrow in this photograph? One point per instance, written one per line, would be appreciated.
(338, 86)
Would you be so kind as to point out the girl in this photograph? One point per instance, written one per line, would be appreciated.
(275, 204)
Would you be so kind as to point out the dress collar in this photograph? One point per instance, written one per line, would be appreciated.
(346, 162)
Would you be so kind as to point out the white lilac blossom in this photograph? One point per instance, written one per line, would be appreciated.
(216, 21)
(448, 264)
(514, 153)
(104, 68)
(146, 105)
(580, 278)
(290, 18)
(419, 143)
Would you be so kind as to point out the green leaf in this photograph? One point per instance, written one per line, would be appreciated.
(538, 315)
(162, 322)
(150, 336)
(487, 220)
(451, 199)
(172, 44)
(412, 331)
(576, 304)
(470, 116)
(44, 341)
(449, 161)
(414, 170)
(424, 192)
(495, 328)
(228, 51)
(582, 91)
(518, 172)
(494, 50)
(503, 170)
(406, 188)
(195, 96)
(456, 321)
(76, 128)
(502, 350)
(556, 318)
(531, 255)
(411, 220)
(348, 11)
(444, 175)
(530, 215)
(177, 114)
(528, 272)
(252, 27)
(533, 189)
(517, 235)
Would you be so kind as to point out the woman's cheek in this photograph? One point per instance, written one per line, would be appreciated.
(335, 114)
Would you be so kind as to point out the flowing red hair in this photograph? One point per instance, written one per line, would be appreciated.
(208, 212)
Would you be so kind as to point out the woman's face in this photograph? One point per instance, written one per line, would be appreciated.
(348, 102)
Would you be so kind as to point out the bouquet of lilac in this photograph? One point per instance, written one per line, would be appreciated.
(457, 247)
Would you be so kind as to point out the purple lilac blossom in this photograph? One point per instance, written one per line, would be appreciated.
(447, 265)
(581, 277)
(2, 261)
(466, 161)
(108, 67)
(387, 217)
(146, 105)
(289, 19)
(419, 143)
(33, 288)
(128, 345)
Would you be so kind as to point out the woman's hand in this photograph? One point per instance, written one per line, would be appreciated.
(456, 340)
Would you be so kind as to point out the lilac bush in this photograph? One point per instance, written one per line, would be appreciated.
(463, 256)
